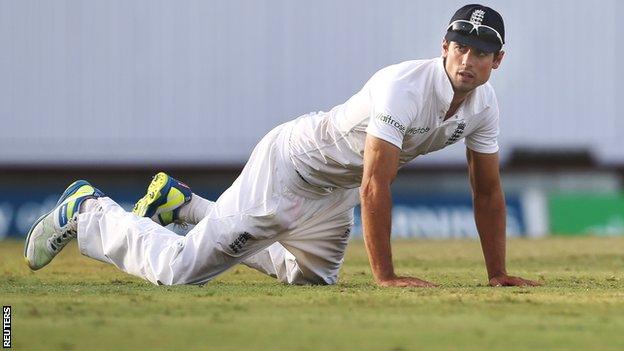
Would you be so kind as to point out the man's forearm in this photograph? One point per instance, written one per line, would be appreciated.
(490, 217)
(376, 221)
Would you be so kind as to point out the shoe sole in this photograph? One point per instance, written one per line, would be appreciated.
(67, 193)
(154, 196)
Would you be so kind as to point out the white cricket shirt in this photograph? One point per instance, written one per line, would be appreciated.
(403, 104)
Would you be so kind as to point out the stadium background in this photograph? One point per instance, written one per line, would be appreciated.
(113, 91)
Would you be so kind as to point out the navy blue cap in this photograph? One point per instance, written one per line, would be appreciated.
(481, 38)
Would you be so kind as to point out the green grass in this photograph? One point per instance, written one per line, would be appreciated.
(81, 304)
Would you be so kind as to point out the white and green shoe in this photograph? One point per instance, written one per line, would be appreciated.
(163, 200)
(52, 231)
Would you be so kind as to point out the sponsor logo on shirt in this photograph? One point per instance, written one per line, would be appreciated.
(396, 124)
(389, 120)
(419, 130)
(456, 134)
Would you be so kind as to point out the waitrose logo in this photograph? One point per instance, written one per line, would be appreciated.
(413, 131)
(388, 120)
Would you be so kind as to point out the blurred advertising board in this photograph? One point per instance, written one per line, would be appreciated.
(443, 216)
(414, 215)
(586, 214)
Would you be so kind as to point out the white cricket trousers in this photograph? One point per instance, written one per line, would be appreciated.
(269, 219)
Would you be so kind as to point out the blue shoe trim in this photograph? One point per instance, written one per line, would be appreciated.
(184, 189)
(70, 190)
(62, 216)
(164, 191)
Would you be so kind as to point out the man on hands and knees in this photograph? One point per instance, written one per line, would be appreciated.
(471, 49)
(290, 211)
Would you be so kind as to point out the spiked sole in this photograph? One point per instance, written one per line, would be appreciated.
(147, 205)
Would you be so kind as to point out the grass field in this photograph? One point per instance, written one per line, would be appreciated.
(80, 304)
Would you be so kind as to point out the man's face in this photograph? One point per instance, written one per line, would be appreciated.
(468, 67)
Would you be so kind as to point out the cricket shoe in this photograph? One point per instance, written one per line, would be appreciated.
(52, 231)
(163, 200)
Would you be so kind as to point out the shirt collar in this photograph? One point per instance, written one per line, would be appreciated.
(442, 86)
(474, 103)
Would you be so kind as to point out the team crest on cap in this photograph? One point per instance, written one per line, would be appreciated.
(477, 17)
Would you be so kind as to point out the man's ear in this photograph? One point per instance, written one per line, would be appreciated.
(498, 59)
(445, 48)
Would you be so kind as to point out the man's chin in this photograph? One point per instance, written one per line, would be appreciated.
(464, 88)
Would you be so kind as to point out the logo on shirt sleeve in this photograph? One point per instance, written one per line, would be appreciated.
(389, 120)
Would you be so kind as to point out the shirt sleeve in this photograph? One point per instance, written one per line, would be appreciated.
(392, 112)
(485, 138)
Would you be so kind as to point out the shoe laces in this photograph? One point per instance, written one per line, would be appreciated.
(58, 240)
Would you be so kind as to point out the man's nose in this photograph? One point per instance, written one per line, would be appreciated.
(468, 58)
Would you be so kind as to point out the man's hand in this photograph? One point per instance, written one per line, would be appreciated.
(404, 282)
(508, 280)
